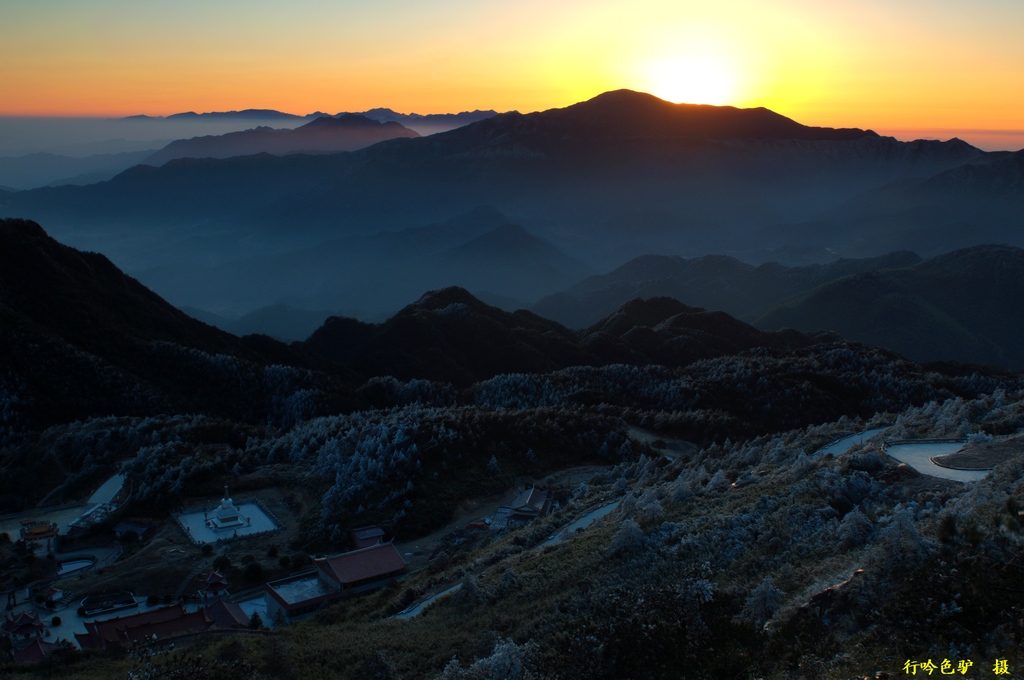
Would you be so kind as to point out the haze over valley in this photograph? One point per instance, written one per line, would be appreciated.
(480, 341)
(517, 207)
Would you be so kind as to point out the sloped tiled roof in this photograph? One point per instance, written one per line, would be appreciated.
(212, 582)
(26, 623)
(532, 498)
(366, 563)
(183, 624)
(227, 615)
(161, 622)
(34, 653)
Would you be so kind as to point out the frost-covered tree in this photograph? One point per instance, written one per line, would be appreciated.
(628, 539)
(717, 482)
(901, 535)
(854, 530)
(508, 661)
(648, 507)
(762, 603)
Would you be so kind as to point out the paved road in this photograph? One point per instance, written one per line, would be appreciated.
(840, 447)
(418, 609)
(918, 456)
(581, 523)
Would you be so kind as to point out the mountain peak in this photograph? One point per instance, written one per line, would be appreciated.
(344, 120)
(445, 297)
(653, 117)
(20, 230)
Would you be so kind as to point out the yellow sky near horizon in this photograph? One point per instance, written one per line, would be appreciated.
(946, 64)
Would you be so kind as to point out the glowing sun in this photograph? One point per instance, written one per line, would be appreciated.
(692, 80)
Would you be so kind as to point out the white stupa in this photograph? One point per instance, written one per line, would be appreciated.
(226, 516)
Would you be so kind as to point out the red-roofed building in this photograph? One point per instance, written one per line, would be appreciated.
(362, 569)
(24, 626)
(351, 572)
(163, 622)
(297, 595)
(34, 653)
(227, 615)
(211, 585)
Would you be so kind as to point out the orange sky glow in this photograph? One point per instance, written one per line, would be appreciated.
(942, 65)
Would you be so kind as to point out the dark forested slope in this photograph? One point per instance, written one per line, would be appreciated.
(966, 305)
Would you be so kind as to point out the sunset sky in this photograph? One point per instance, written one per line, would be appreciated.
(887, 65)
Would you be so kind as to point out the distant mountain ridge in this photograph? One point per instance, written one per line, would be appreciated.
(80, 338)
(41, 169)
(379, 273)
(622, 149)
(430, 123)
(423, 124)
(650, 117)
(451, 336)
(248, 114)
(324, 134)
(966, 306)
(713, 281)
(84, 339)
(621, 175)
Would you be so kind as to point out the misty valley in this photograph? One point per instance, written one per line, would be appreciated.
(626, 389)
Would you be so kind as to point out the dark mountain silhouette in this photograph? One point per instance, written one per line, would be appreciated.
(620, 175)
(451, 336)
(714, 281)
(80, 338)
(645, 116)
(965, 306)
(665, 331)
(282, 322)
(621, 150)
(86, 300)
(325, 134)
(249, 114)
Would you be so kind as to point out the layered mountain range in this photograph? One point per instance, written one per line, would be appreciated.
(623, 173)
(965, 306)
(712, 281)
(424, 124)
(960, 306)
(80, 338)
(36, 152)
(347, 132)
(702, 376)
(450, 336)
(518, 207)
